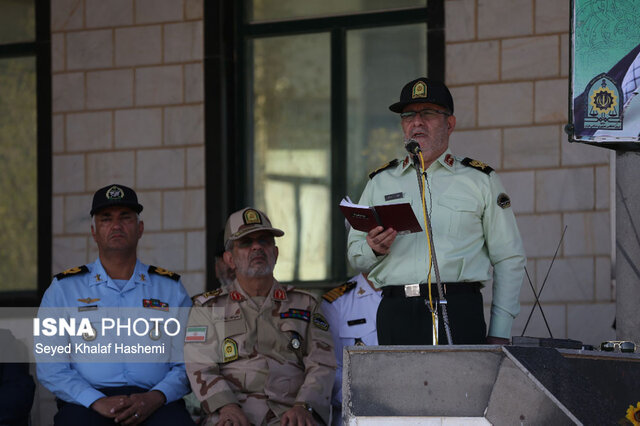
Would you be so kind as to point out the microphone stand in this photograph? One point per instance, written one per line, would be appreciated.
(414, 149)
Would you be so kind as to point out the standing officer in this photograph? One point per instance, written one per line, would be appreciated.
(258, 352)
(128, 393)
(473, 225)
(351, 313)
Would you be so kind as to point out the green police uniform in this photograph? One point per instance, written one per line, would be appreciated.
(474, 228)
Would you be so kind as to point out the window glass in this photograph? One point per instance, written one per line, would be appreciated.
(290, 135)
(17, 21)
(380, 61)
(266, 10)
(18, 156)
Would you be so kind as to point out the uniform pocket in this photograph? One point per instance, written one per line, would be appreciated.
(462, 214)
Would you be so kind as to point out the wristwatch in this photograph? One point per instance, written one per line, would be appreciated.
(304, 405)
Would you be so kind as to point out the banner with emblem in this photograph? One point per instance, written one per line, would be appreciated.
(604, 103)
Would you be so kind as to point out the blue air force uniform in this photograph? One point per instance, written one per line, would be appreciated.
(350, 310)
(89, 288)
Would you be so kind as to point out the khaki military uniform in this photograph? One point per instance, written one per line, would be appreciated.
(263, 354)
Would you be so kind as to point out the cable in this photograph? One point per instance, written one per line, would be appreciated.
(432, 260)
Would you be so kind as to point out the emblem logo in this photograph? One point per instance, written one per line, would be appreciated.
(419, 90)
(603, 104)
(633, 414)
(88, 300)
(251, 217)
(90, 336)
(280, 294)
(229, 350)
(320, 322)
(115, 193)
(504, 201)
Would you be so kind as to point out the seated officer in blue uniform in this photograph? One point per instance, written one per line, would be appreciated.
(129, 393)
(350, 310)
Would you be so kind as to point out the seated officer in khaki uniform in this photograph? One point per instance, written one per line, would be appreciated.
(259, 352)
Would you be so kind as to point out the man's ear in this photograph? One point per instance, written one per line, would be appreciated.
(93, 233)
(140, 229)
(228, 259)
(451, 124)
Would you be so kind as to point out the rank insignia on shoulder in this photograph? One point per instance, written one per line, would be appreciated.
(334, 293)
(389, 165)
(504, 201)
(478, 165)
(164, 272)
(197, 333)
(320, 322)
(72, 271)
(202, 298)
(229, 350)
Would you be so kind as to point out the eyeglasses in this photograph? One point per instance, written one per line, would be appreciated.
(622, 345)
(425, 114)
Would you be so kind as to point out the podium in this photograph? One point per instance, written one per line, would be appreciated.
(482, 385)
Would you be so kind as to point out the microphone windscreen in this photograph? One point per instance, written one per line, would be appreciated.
(412, 146)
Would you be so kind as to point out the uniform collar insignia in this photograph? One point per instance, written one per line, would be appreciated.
(142, 277)
(98, 278)
(236, 296)
(279, 294)
(361, 291)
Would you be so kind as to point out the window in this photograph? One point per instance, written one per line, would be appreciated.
(307, 89)
(24, 142)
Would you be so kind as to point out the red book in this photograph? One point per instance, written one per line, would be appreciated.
(397, 216)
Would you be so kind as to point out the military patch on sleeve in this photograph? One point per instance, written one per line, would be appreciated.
(230, 350)
(197, 333)
(334, 293)
(504, 201)
(478, 165)
(389, 165)
(72, 271)
(164, 272)
(320, 322)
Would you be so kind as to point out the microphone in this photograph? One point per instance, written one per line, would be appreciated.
(412, 146)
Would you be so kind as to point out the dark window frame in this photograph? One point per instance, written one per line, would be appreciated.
(40, 49)
(227, 152)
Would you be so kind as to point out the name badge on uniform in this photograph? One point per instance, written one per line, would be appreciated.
(356, 322)
(87, 308)
(395, 196)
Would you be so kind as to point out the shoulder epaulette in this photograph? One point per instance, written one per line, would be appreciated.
(163, 272)
(389, 165)
(309, 293)
(335, 293)
(72, 271)
(202, 298)
(478, 165)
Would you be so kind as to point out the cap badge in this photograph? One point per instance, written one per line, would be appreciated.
(115, 193)
(251, 216)
(419, 90)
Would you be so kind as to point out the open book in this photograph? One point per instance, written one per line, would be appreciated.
(398, 216)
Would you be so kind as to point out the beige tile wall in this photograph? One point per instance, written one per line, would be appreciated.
(128, 108)
(507, 65)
